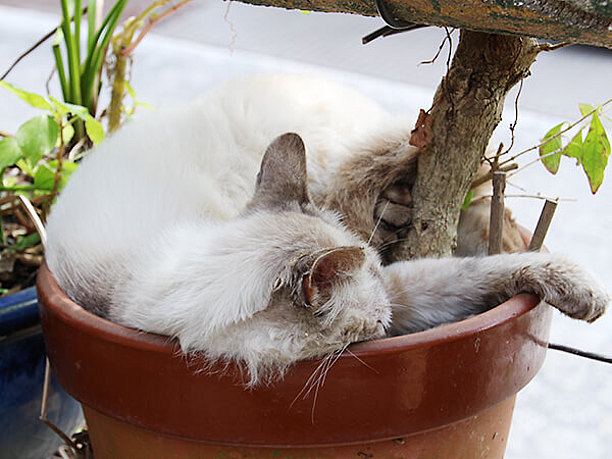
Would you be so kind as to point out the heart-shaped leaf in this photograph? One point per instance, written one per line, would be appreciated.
(37, 137)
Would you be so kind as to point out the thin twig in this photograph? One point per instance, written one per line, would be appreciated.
(5, 134)
(516, 114)
(536, 196)
(150, 25)
(28, 51)
(548, 47)
(537, 160)
(33, 47)
(485, 178)
(43, 408)
(561, 132)
(440, 48)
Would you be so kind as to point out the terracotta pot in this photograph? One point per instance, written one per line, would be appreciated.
(445, 392)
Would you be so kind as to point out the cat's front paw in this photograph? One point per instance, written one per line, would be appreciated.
(575, 292)
(591, 303)
(393, 213)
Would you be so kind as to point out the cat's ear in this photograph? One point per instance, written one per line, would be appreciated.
(329, 267)
(282, 179)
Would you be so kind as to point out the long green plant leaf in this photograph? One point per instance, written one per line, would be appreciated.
(97, 51)
(59, 63)
(72, 56)
(91, 22)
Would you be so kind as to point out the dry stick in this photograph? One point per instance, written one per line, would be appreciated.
(548, 211)
(496, 227)
(43, 408)
(38, 224)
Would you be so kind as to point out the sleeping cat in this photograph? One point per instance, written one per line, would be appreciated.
(177, 225)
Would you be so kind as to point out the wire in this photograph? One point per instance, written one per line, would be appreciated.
(578, 352)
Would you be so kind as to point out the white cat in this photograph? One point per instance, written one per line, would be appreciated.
(168, 227)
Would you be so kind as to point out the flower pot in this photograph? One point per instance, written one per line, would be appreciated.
(22, 368)
(445, 392)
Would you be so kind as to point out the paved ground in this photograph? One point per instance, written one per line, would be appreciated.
(566, 412)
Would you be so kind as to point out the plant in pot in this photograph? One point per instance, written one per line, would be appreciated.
(126, 423)
(35, 164)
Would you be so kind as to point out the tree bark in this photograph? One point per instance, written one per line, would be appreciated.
(576, 21)
(466, 109)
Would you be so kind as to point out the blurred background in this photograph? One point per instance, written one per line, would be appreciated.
(566, 412)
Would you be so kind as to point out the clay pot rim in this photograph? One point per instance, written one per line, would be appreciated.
(78, 317)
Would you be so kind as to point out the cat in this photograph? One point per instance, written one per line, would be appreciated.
(178, 225)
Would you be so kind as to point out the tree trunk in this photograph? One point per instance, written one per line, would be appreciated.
(467, 107)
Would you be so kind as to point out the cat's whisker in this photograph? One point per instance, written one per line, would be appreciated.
(307, 386)
(390, 243)
(323, 377)
(329, 361)
(378, 222)
(361, 361)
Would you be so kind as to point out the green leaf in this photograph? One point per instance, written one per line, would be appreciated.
(550, 159)
(94, 129)
(33, 99)
(37, 137)
(27, 241)
(44, 178)
(25, 167)
(66, 108)
(585, 109)
(10, 152)
(67, 134)
(468, 200)
(595, 154)
(575, 148)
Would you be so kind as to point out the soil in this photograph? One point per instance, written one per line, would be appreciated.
(17, 265)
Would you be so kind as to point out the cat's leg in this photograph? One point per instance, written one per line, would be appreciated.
(430, 292)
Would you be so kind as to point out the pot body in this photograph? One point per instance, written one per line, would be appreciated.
(445, 392)
(22, 369)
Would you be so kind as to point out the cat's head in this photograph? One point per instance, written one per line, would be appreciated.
(303, 285)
